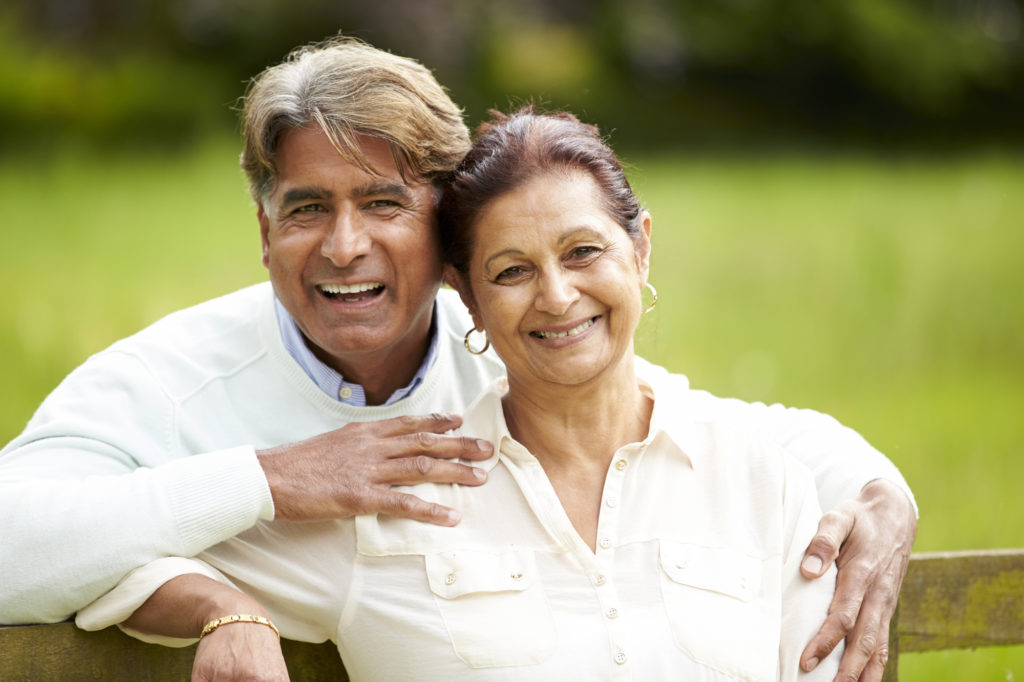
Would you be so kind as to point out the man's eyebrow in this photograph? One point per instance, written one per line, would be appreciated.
(381, 187)
(299, 194)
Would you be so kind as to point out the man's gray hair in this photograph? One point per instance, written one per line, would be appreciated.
(349, 88)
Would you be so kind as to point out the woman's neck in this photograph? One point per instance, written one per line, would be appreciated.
(582, 424)
(574, 432)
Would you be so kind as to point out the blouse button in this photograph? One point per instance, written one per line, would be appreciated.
(621, 464)
(620, 657)
(612, 613)
(599, 579)
(604, 543)
(612, 501)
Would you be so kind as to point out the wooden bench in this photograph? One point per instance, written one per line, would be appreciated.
(958, 600)
(950, 600)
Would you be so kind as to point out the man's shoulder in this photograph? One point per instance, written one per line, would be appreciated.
(221, 333)
(198, 324)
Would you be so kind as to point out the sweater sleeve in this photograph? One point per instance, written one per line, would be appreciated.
(96, 486)
(841, 461)
(117, 605)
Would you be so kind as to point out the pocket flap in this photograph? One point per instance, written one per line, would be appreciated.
(723, 570)
(454, 574)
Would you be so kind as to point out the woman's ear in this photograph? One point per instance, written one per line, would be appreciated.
(643, 247)
(455, 280)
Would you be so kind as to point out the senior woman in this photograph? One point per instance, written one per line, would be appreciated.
(629, 529)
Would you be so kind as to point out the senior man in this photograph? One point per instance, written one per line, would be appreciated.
(297, 400)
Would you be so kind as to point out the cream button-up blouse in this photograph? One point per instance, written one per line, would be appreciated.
(695, 576)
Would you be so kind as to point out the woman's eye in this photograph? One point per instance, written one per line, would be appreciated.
(382, 203)
(584, 252)
(509, 273)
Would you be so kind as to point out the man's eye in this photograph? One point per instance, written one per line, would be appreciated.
(309, 208)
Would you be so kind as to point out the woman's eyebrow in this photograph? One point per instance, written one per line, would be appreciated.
(503, 252)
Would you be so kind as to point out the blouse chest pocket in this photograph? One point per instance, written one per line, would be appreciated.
(720, 613)
(493, 605)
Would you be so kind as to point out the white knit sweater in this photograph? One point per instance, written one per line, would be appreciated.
(148, 448)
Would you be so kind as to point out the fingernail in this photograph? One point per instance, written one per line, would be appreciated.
(479, 474)
(483, 445)
(812, 564)
(453, 516)
(811, 664)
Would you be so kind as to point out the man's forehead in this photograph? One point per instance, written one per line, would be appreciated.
(309, 163)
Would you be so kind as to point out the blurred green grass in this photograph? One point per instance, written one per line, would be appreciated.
(887, 292)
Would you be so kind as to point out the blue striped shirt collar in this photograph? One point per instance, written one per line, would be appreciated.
(330, 380)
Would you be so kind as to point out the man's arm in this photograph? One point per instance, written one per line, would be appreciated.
(175, 612)
(869, 526)
(97, 486)
(68, 540)
(869, 538)
(238, 651)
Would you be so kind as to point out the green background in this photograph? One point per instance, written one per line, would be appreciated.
(836, 192)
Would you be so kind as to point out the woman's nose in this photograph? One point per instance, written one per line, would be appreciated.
(557, 293)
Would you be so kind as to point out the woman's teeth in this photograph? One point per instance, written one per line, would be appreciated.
(561, 335)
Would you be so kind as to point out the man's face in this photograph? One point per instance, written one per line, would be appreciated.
(354, 257)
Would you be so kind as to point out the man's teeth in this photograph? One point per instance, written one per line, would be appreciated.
(350, 288)
(561, 335)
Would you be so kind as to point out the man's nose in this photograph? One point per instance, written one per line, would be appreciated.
(346, 240)
(557, 292)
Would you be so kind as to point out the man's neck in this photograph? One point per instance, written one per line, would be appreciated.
(371, 379)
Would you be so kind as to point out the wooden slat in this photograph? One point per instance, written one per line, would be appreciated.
(958, 600)
(950, 600)
(63, 652)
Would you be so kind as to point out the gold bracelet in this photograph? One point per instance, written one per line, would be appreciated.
(238, 618)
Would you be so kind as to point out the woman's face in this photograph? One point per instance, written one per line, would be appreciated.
(555, 281)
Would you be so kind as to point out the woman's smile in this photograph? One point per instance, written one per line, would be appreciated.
(556, 281)
(566, 333)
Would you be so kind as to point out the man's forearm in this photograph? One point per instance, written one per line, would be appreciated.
(840, 459)
(66, 542)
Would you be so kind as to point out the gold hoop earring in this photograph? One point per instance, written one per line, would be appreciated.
(487, 342)
(654, 301)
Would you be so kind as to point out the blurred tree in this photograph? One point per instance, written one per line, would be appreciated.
(662, 70)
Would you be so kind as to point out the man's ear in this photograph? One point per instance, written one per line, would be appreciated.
(261, 216)
(643, 247)
(455, 280)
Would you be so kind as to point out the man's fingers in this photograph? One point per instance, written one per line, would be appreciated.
(875, 668)
(823, 550)
(438, 422)
(867, 645)
(843, 615)
(440, 446)
(426, 469)
(411, 507)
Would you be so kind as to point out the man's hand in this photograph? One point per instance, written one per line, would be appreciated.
(351, 470)
(869, 538)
